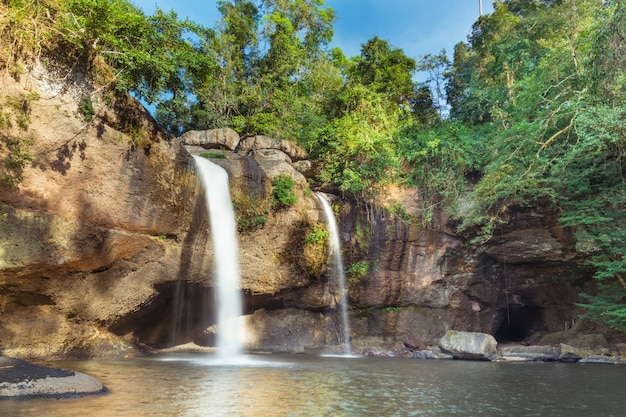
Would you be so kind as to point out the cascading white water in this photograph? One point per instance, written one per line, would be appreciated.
(227, 276)
(337, 260)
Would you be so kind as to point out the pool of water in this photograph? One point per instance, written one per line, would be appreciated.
(299, 385)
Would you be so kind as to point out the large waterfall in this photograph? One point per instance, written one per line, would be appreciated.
(227, 277)
(337, 261)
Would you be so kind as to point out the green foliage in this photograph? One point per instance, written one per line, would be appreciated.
(385, 70)
(318, 235)
(282, 191)
(270, 58)
(252, 214)
(357, 271)
(24, 32)
(212, 155)
(314, 254)
(358, 149)
(544, 81)
(85, 106)
(148, 55)
(17, 157)
(14, 146)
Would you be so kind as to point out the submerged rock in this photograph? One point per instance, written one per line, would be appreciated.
(469, 345)
(429, 354)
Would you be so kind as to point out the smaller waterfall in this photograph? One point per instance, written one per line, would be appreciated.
(337, 260)
(227, 276)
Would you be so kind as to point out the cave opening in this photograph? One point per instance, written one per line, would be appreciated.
(180, 313)
(519, 324)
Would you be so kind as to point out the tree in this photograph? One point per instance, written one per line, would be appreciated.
(268, 53)
(149, 56)
(436, 66)
(385, 70)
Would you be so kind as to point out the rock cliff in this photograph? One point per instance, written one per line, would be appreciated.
(105, 248)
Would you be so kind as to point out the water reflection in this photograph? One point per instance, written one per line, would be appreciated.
(313, 386)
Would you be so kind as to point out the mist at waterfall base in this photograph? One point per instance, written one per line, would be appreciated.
(227, 275)
(337, 262)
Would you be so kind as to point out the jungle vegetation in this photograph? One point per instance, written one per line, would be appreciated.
(530, 108)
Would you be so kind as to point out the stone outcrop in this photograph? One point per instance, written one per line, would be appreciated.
(224, 138)
(469, 345)
(90, 228)
(260, 142)
(228, 139)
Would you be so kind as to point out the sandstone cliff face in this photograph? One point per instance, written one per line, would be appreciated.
(105, 248)
(422, 282)
(104, 244)
(79, 238)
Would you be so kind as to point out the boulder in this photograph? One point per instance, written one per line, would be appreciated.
(224, 138)
(469, 345)
(259, 142)
(20, 378)
(304, 167)
(413, 343)
(274, 162)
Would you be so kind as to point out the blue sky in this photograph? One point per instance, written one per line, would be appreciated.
(418, 27)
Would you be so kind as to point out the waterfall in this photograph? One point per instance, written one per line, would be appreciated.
(337, 261)
(227, 277)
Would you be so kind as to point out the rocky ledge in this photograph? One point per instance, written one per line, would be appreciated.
(480, 346)
(21, 379)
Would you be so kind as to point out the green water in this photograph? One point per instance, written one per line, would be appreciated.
(299, 385)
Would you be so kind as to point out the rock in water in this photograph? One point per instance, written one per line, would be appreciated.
(19, 378)
(469, 345)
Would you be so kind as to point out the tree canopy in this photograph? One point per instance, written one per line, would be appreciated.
(544, 83)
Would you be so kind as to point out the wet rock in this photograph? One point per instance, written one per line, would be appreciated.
(569, 357)
(530, 353)
(19, 378)
(621, 349)
(469, 345)
(399, 352)
(373, 352)
(602, 360)
(414, 343)
(429, 354)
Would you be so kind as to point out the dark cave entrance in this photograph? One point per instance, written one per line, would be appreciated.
(180, 313)
(519, 324)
